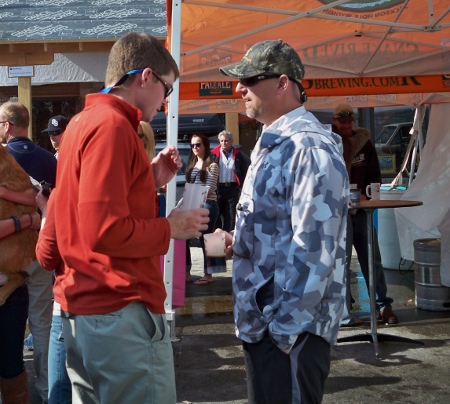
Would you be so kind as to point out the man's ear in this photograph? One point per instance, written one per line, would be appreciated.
(145, 76)
(282, 84)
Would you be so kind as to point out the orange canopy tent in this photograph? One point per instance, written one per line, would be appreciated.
(348, 47)
(364, 52)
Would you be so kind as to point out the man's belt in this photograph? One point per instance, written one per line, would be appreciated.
(227, 184)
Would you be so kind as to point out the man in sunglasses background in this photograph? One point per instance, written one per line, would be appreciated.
(364, 169)
(289, 240)
(102, 218)
(55, 129)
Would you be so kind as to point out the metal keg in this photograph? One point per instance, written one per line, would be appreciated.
(430, 293)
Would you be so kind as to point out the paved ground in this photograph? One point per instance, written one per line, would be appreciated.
(210, 368)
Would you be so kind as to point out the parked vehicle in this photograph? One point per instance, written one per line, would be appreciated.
(394, 139)
(207, 124)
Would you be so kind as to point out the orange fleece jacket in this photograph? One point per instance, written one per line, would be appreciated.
(104, 213)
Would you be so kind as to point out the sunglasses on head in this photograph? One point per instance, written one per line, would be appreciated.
(167, 87)
(344, 114)
(251, 81)
(196, 145)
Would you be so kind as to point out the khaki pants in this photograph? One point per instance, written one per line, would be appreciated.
(120, 357)
(40, 290)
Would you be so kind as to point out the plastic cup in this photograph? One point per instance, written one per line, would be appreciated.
(215, 244)
(354, 197)
(194, 196)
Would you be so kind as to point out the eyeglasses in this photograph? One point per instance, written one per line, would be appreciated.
(54, 133)
(196, 145)
(168, 87)
(251, 81)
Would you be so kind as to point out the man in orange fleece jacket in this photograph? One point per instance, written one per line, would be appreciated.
(102, 221)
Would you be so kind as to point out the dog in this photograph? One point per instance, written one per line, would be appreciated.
(17, 251)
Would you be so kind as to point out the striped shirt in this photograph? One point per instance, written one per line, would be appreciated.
(212, 177)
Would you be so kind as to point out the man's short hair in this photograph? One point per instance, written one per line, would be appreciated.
(16, 113)
(343, 111)
(275, 57)
(226, 133)
(137, 51)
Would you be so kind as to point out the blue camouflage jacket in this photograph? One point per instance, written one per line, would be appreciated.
(289, 241)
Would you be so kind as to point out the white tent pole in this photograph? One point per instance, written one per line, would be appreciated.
(172, 139)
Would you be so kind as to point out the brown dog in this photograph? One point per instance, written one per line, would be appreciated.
(17, 251)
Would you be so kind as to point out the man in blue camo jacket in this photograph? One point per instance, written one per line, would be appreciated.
(289, 241)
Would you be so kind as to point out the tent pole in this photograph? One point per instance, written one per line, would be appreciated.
(172, 139)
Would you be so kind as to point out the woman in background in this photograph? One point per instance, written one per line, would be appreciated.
(145, 133)
(14, 312)
(202, 169)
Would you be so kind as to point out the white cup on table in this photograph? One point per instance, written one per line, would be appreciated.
(373, 191)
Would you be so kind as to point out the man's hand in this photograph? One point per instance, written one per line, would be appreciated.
(165, 165)
(187, 224)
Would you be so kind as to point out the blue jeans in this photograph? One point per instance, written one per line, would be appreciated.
(13, 320)
(210, 262)
(59, 387)
(360, 242)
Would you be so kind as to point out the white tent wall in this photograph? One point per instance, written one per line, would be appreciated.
(432, 187)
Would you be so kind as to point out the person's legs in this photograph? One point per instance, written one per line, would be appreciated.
(221, 203)
(348, 320)
(120, 357)
(40, 317)
(310, 366)
(188, 261)
(275, 377)
(213, 214)
(59, 387)
(268, 373)
(360, 241)
(230, 208)
(13, 318)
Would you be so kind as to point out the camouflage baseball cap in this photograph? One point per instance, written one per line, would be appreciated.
(275, 57)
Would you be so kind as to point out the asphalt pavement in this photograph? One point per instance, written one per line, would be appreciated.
(210, 369)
